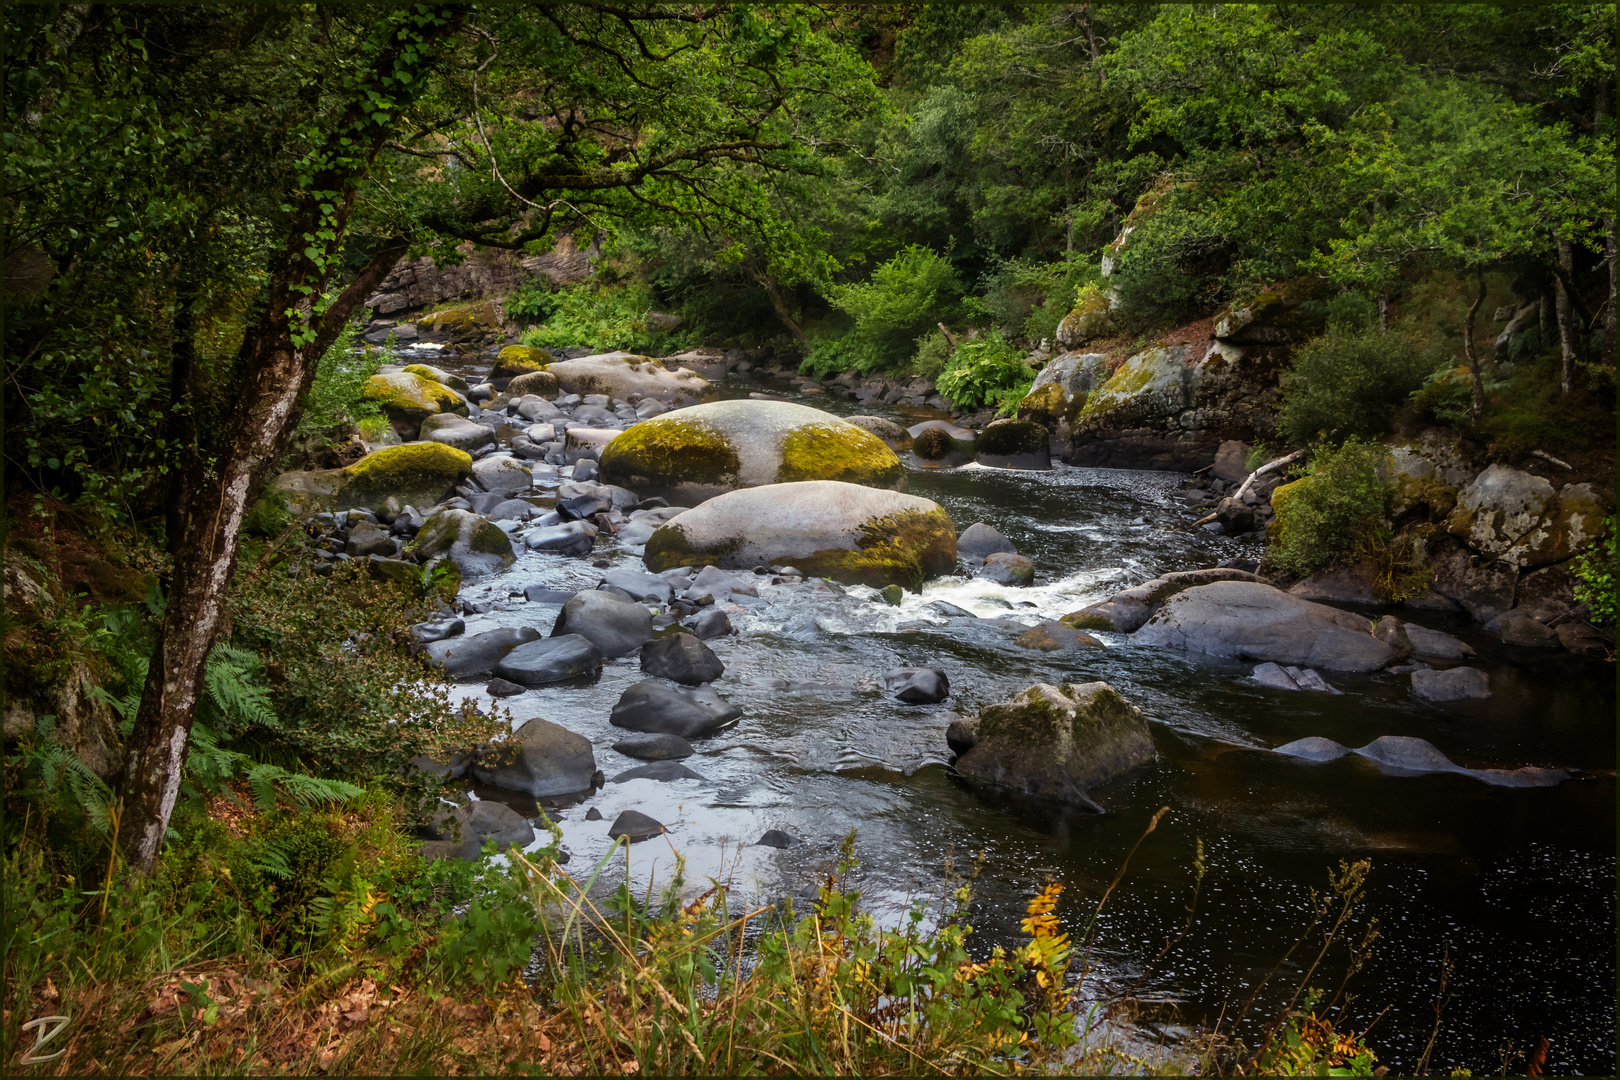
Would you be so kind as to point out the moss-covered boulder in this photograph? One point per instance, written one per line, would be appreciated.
(696, 453)
(463, 323)
(1091, 318)
(1056, 743)
(515, 360)
(847, 532)
(539, 383)
(1062, 387)
(1014, 444)
(418, 474)
(1519, 518)
(475, 544)
(937, 444)
(620, 375)
(440, 376)
(408, 399)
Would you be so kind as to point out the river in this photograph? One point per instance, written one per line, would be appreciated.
(1517, 887)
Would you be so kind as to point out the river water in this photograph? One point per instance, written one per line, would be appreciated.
(1516, 887)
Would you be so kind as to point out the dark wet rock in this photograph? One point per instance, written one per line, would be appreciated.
(950, 610)
(634, 826)
(540, 594)
(1584, 639)
(453, 769)
(1392, 632)
(568, 538)
(616, 626)
(655, 747)
(477, 654)
(1516, 628)
(502, 688)
(658, 770)
(917, 686)
(551, 660)
(960, 735)
(513, 510)
(652, 706)
(368, 539)
(437, 631)
(593, 814)
(1129, 610)
(708, 624)
(582, 507)
(681, 658)
(979, 540)
(586, 469)
(1435, 645)
(1234, 516)
(1058, 743)
(479, 820)
(542, 759)
(1453, 684)
(892, 595)
(1052, 636)
(1353, 584)
(639, 585)
(1405, 755)
(776, 838)
(1014, 444)
(1483, 587)
(1251, 621)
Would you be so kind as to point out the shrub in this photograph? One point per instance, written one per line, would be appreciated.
(904, 298)
(335, 397)
(987, 371)
(1029, 299)
(1333, 513)
(933, 354)
(531, 301)
(601, 319)
(1171, 266)
(1595, 573)
(1350, 383)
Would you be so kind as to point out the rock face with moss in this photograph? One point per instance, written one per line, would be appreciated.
(1061, 389)
(1055, 743)
(1246, 620)
(475, 544)
(418, 474)
(408, 399)
(1014, 444)
(515, 360)
(1520, 519)
(620, 375)
(477, 322)
(893, 435)
(540, 383)
(696, 453)
(854, 534)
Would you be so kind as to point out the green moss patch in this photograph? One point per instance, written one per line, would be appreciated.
(1011, 437)
(417, 473)
(667, 452)
(843, 452)
(517, 360)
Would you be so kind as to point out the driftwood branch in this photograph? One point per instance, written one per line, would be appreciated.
(1270, 466)
(950, 337)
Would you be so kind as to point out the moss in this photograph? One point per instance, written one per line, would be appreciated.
(1132, 378)
(1038, 717)
(892, 595)
(444, 378)
(667, 452)
(462, 321)
(517, 360)
(1036, 637)
(541, 383)
(1081, 620)
(1044, 404)
(668, 548)
(417, 473)
(1011, 437)
(489, 538)
(933, 445)
(828, 452)
(411, 395)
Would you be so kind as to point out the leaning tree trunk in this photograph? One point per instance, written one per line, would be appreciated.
(1609, 314)
(1474, 376)
(213, 503)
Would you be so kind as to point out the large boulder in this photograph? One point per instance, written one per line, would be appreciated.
(936, 444)
(1061, 389)
(1014, 444)
(1057, 743)
(476, 655)
(1519, 519)
(1247, 620)
(440, 376)
(681, 658)
(475, 544)
(853, 534)
(502, 475)
(540, 384)
(551, 660)
(542, 759)
(468, 322)
(621, 375)
(1453, 684)
(468, 826)
(696, 453)
(656, 707)
(417, 474)
(408, 399)
(516, 360)
(980, 540)
(1128, 610)
(655, 747)
(615, 626)
(453, 429)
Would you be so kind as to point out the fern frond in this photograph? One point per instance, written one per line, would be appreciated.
(261, 778)
(310, 790)
(229, 680)
(273, 861)
(94, 797)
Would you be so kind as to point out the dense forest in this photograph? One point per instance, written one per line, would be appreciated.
(1358, 224)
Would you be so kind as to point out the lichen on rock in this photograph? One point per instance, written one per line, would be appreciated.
(419, 474)
(515, 360)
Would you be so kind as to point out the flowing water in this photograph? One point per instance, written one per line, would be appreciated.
(1517, 887)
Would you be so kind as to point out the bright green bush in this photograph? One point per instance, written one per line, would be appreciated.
(1595, 574)
(1350, 383)
(335, 396)
(602, 320)
(986, 371)
(1331, 514)
(903, 299)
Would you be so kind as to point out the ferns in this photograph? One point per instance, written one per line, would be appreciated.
(306, 790)
(51, 762)
(235, 699)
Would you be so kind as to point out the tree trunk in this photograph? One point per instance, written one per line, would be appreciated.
(1383, 311)
(1613, 249)
(275, 378)
(1568, 328)
(1544, 316)
(1474, 376)
(779, 304)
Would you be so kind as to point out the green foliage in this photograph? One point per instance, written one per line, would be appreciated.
(933, 353)
(1597, 575)
(1332, 513)
(989, 370)
(1350, 383)
(532, 300)
(335, 397)
(601, 319)
(1028, 299)
(904, 297)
